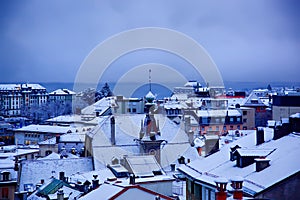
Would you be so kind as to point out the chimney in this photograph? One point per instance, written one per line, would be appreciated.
(281, 130)
(181, 160)
(132, 179)
(60, 194)
(57, 137)
(158, 130)
(232, 150)
(191, 136)
(172, 167)
(261, 164)
(142, 132)
(237, 185)
(95, 182)
(260, 135)
(16, 167)
(113, 130)
(221, 193)
(187, 123)
(62, 176)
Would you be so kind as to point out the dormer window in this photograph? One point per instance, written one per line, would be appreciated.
(5, 176)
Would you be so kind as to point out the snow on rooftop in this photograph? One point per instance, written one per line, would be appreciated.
(65, 119)
(103, 174)
(19, 86)
(218, 113)
(46, 129)
(32, 171)
(62, 92)
(297, 115)
(284, 163)
(105, 191)
(127, 131)
(100, 106)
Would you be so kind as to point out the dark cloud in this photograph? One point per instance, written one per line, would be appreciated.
(248, 40)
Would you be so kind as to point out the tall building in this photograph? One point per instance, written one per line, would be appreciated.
(15, 98)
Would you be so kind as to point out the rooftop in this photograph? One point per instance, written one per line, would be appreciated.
(284, 162)
(46, 129)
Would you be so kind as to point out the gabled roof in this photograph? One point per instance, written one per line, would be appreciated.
(45, 129)
(111, 192)
(62, 92)
(254, 152)
(284, 162)
(32, 171)
(253, 101)
(128, 127)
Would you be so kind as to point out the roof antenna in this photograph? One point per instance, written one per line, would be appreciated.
(150, 79)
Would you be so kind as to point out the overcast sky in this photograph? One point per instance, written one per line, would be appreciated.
(46, 41)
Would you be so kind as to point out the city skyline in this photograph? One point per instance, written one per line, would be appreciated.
(248, 41)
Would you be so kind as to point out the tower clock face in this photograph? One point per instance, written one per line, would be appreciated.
(152, 152)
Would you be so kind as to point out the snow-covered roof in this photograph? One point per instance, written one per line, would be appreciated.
(128, 127)
(19, 86)
(297, 115)
(100, 106)
(254, 152)
(175, 105)
(65, 119)
(218, 113)
(109, 191)
(192, 84)
(103, 174)
(18, 152)
(32, 171)
(252, 100)
(284, 162)
(54, 155)
(105, 191)
(46, 129)
(68, 137)
(62, 92)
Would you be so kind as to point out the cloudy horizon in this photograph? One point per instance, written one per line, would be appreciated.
(47, 41)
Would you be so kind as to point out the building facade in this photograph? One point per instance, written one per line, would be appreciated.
(16, 98)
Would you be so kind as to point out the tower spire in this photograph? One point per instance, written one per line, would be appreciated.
(150, 79)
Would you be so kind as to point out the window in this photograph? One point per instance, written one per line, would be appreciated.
(231, 119)
(134, 110)
(244, 120)
(6, 176)
(238, 127)
(244, 112)
(238, 119)
(224, 128)
(217, 128)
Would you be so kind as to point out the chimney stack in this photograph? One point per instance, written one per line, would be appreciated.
(95, 182)
(60, 194)
(237, 185)
(260, 135)
(113, 130)
(57, 138)
(132, 179)
(62, 176)
(187, 123)
(221, 193)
